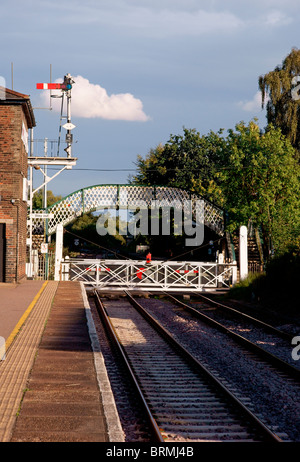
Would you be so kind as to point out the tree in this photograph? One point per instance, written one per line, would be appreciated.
(189, 161)
(282, 110)
(37, 201)
(84, 228)
(260, 181)
(252, 174)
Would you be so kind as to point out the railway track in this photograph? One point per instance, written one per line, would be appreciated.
(266, 341)
(231, 311)
(182, 399)
(135, 425)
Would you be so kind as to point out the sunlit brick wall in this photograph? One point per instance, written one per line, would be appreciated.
(13, 209)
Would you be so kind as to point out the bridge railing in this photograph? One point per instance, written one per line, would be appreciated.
(157, 276)
(98, 197)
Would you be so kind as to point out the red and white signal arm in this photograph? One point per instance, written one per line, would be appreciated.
(65, 85)
(49, 86)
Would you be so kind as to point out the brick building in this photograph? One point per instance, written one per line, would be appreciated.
(16, 117)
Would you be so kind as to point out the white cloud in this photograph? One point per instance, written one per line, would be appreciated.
(253, 105)
(92, 101)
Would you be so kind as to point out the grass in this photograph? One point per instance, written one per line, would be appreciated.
(250, 288)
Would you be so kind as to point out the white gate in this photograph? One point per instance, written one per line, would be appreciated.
(156, 276)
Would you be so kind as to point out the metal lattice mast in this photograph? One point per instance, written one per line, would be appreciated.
(37, 161)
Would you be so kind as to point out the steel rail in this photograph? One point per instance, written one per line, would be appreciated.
(113, 336)
(274, 360)
(275, 330)
(200, 367)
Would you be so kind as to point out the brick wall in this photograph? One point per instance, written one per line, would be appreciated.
(13, 168)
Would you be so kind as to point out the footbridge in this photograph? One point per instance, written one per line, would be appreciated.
(119, 196)
(135, 274)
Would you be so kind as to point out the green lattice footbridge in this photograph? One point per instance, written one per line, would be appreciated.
(96, 197)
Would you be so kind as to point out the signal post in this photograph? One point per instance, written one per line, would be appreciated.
(41, 163)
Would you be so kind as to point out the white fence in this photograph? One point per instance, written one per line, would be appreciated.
(156, 276)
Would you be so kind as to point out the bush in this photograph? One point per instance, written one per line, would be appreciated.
(277, 288)
(284, 271)
(250, 288)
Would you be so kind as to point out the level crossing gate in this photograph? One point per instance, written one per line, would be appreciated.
(156, 276)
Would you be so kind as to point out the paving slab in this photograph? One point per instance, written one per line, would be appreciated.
(53, 374)
(63, 379)
(15, 299)
(19, 357)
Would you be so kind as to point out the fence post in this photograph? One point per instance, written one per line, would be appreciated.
(243, 252)
(234, 273)
(58, 251)
(65, 269)
(97, 274)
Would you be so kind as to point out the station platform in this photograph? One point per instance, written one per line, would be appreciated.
(53, 382)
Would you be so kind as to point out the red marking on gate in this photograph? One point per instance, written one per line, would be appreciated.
(139, 273)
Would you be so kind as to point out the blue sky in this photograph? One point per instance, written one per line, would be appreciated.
(143, 70)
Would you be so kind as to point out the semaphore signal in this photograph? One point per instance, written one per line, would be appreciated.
(49, 86)
(66, 87)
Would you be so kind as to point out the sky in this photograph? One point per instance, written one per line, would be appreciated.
(143, 70)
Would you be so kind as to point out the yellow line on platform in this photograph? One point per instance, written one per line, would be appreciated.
(24, 317)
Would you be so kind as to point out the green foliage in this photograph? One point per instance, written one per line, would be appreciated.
(84, 223)
(277, 288)
(261, 182)
(250, 288)
(282, 111)
(284, 271)
(253, 175)
(37, 201)
(189, 161)
(84, 228)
